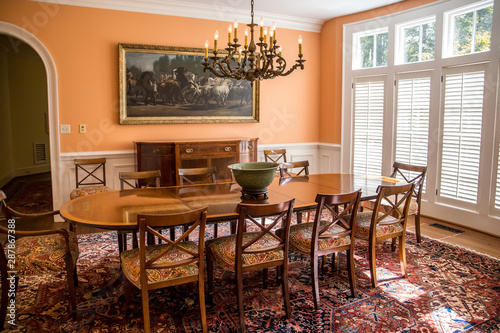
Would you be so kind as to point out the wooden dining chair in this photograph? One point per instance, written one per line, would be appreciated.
(35, 252)
(275, 155)
(326, 236)
(411, 174)
(196, 176)
(382, 223)
(169, 264)
(90, 177)
(141, 179)
(250, 251)
(193, 176)
(285, 169)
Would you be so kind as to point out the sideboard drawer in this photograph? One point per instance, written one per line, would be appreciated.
(186, 150)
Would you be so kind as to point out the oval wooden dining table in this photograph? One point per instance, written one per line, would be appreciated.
(115, 210)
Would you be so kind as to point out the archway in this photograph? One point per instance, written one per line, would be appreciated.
(52, 101)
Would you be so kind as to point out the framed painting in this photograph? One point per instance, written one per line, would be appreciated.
(167, 85)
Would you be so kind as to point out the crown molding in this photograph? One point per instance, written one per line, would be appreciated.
(195, 10)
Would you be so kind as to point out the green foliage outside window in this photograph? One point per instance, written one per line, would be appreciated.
(419, 43)
(464, 26)
(374, 50)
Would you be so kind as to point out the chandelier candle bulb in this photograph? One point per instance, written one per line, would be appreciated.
(274, 29)
(239, 55)
(206, 50)
(279, 49)
(216, 36)
(300, 44)
(270, 38)
(246, 36)
(229, 30)
(265, 35)
(261, 23)
(235, 29)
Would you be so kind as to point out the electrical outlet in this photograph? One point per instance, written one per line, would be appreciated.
(65, 129)
(83, 128)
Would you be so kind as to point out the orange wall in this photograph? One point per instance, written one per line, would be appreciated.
(331, 65)
(84, 45)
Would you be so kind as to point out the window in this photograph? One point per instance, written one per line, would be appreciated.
(416, 41)
(368, 125)
(469, 29)
(371, 48)
(413, 92)
(463, 113)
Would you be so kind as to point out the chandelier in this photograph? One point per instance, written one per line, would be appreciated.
(254, 61)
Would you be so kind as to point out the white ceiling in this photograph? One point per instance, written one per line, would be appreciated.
(306, 15)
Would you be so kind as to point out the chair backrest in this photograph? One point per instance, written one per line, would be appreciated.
(140, 179)
(344, 218)
(391, 205)
(275, 155)
(285, 168)
(150, 223)
(411, 174)
(253, 214)
(92, 171)
(197, 175)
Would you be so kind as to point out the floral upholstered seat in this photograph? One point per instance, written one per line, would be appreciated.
(363, 226)
(131, 263)
(87, 190)
(301, 237)
(222, 250)
(44, 254)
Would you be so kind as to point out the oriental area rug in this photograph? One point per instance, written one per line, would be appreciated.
(449, 289)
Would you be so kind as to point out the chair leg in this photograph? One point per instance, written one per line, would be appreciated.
(201, 300)
(285, 289)
(135, 243)
(71, 284)
(402, 256)
(372, 259)
(314, 281)
(351, 272)
(239, 299)
(210, 280)
(145, 310)
(417, 226)
(334, 261)
(233, 227)
(172, 234)
(216, 230)
(120, 241)
(393, 245)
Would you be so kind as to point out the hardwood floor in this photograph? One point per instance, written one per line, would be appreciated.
(471, 239)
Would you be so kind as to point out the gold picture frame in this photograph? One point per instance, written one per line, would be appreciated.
(167, 85)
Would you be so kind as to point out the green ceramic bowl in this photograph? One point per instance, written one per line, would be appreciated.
(254, 176)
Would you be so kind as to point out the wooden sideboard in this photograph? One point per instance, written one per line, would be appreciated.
(169, 156)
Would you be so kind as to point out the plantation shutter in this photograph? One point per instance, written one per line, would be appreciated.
(463, 111)
(368, 125)
(413, 92)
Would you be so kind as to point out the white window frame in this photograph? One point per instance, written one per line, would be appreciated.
(400, 43)
(357, 46)
(484, 216)
(449, 31)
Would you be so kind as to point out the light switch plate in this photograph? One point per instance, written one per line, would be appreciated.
(83, 128)
(65, 129)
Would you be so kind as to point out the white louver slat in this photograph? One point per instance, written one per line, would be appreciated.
(368, 126)
(463, 113)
